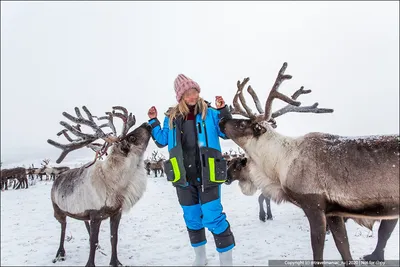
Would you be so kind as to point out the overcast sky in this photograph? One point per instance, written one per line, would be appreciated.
(58, 55)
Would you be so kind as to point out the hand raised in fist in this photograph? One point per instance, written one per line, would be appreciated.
(219, 102)
(152, 113)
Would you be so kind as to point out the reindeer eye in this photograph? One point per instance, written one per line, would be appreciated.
(132, 139)
(242, 125)
(257, 127)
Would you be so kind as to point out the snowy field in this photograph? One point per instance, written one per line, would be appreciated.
(153, 232)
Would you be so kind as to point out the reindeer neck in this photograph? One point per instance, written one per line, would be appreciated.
(274, 153)
(117, 161)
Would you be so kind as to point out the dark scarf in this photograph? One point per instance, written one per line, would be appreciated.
(190, 116)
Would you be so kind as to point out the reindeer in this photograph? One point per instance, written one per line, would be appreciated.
(147, 166)
(17, 174)
(157, 167)
(46, 170)
(234, 172)
(51, 172)
(100, 189)
(30, 172)
(328, 176)
(155, 164)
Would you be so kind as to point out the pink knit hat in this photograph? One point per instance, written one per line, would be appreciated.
(182, 84)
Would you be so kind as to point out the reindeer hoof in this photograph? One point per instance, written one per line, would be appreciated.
(269, 218)
(262, 218)
(374, 257)
(115, 263)
(60, 256)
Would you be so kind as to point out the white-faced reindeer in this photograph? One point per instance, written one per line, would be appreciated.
(101, 189)
(328, 176)
(49, 171)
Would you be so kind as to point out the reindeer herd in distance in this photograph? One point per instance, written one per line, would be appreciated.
(154, 163)
(21, 177)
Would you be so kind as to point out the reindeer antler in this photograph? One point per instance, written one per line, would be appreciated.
(110, 122)
(236, 109)
(84, 138)
(301, 109)
(275, 94)
(128, 120)
(292, 106)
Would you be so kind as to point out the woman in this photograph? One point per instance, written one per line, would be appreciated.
(196, 167)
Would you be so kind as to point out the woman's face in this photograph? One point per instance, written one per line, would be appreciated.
(191, 97)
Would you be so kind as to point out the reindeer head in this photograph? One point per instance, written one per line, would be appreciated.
(124, 144)
(234, 171)
(245, 132)
(135, 142)
(239, 170)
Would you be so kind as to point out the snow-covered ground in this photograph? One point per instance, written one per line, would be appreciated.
(154, 233)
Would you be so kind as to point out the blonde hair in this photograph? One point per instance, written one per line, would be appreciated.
(182, 109)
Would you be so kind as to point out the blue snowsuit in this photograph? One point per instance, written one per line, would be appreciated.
(197, 170)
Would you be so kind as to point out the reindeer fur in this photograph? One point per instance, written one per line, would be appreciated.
(117, 182)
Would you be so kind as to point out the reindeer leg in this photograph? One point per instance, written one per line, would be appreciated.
(261, 214)
(94, 238)
(114, 223)
(16, 185)
(328, 230)
(87, 227)
(88, 230)
(60, 216)
(338, 229)
(317, 221)
(269, 213)
(385, 231)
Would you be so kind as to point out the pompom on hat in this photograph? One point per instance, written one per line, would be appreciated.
(182, 84)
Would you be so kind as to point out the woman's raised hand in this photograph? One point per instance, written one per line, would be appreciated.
(219, 102)
(152, 113)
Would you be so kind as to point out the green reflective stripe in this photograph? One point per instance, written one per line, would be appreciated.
(175, 167)
(211, 165)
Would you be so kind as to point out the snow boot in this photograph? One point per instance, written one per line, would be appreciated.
(225, 258)
(201, 259)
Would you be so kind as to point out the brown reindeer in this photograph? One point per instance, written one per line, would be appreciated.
(17, 174)
(100, 189)
(155, 164)
(328, 176)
